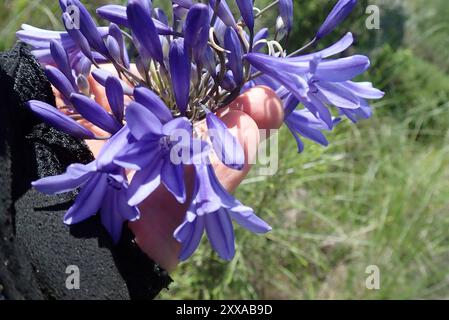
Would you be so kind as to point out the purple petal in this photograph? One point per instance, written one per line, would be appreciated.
(364, 90)
(59, 81)
(88, 201)
(94, 113)
(337, 95)
(286, 13)
(247, 12)
(58, 120)
(338, 47)
(152, 102)
(340, 11)
(76, 35)
(261, 35)
(113, 49)
(196, 29)
(113, 146)
(224, 12)
(138, 155)
(246, 218)
(75, 176)
(111, 217)
(114, 13)
(145, 182)
(89, 29)
(226, 146)
(180, 74)
(142, 121)
(232, 44)
(189, 234)
(117, 14)
(343, 69)
(114, 92)
(101, 75)
(177, 124)
(62, 60)
(143, 28)
(173, 179)
(116, 33)
(220, 233)
(304, 123)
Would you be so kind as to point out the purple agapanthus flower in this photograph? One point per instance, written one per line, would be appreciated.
(162, 101)
(212, 210)
(151, 141)
(103, 189)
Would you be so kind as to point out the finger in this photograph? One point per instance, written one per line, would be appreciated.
(262, 105)
(245, 129)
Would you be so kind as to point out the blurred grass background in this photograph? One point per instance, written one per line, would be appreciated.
(379, 194)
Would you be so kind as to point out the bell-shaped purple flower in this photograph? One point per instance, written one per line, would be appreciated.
(196, 30)
(212, 210)
(304, 123)
(103, 190)
(226, 146)
(246, 8)
(340, 11)
(180, 74)
(150, 152)
(235, 62)
(144, 30)
(59, 120)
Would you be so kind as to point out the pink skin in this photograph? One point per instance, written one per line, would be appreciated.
(258, 108)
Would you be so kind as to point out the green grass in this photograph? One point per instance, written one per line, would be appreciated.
(379, 194)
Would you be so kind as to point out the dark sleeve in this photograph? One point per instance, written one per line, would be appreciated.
(35, 246)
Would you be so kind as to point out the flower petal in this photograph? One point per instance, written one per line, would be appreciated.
(152, 102)
(94, 113)
(232, 44)
(142, 121)
(75, 176)
(88, 201)
(58, 120)
(173, 179)
(59, 81)
(226, 146)
(340, 11)
(189, 234)
(145, 182)
(246, 218)
(180, 74)
(220, 233)
(247, 12)
(144, 30)
(114, 92)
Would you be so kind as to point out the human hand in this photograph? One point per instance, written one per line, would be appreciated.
(257, 109)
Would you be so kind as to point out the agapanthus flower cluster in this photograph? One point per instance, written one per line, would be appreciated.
(170, 74)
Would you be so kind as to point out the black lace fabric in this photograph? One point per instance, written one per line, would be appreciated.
(36, 248)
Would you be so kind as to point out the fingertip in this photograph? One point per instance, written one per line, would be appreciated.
(263, 105)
